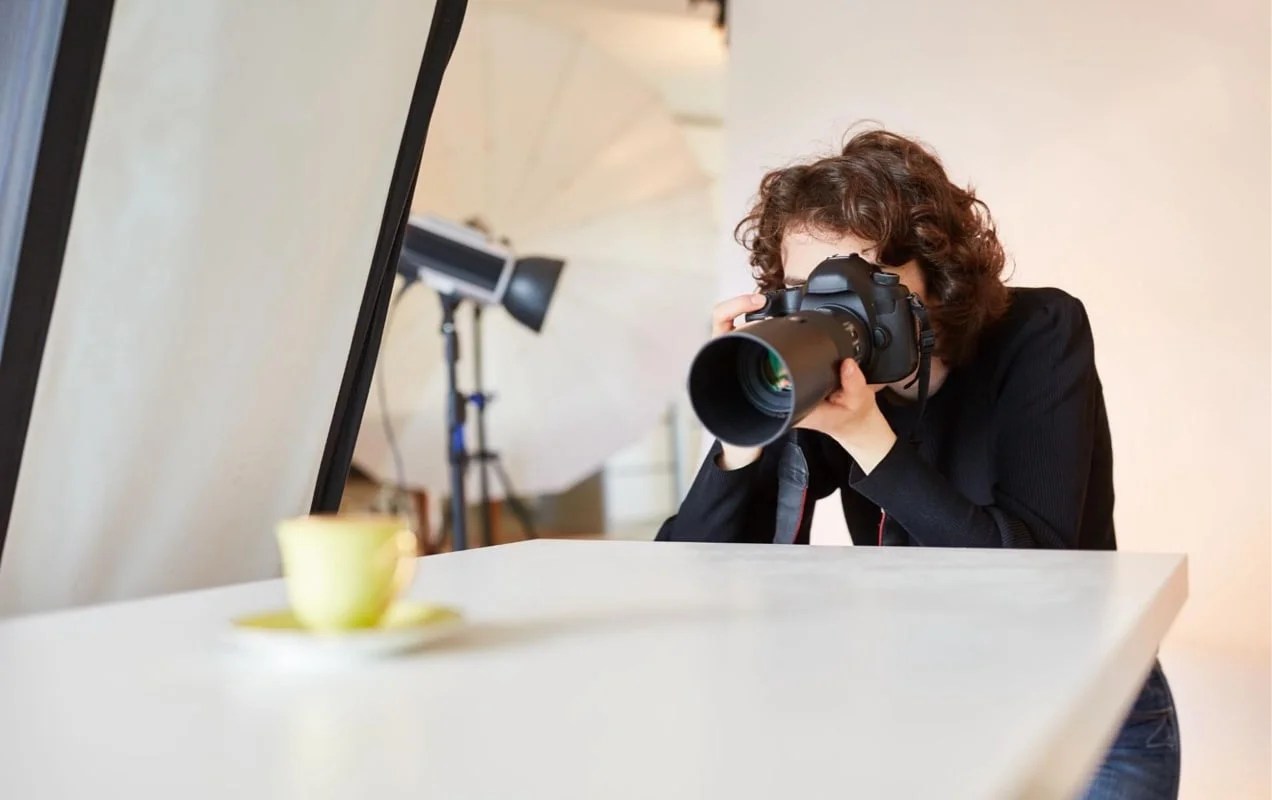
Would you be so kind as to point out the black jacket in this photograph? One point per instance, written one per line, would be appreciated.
(1014, 452)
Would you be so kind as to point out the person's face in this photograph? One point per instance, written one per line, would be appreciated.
(803, 250)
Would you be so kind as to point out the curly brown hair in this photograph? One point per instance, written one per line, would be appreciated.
(892, 191)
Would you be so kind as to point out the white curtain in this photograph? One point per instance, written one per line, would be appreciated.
(232, 190)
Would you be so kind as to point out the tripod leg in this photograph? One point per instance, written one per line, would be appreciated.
(457, 454)
(515, 504)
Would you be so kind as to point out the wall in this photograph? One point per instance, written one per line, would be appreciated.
(1124, 148)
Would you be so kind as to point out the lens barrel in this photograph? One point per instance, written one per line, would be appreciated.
(749, 387)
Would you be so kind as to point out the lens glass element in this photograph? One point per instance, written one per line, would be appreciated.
(775, 374)
(765, 381)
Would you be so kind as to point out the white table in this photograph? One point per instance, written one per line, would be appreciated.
(614, 670)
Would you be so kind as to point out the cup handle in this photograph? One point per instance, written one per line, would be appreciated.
(407, 551)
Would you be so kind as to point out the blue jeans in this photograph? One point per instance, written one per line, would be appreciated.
(1143, 763)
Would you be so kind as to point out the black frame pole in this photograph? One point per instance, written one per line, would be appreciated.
(68, 116)
(355, 387)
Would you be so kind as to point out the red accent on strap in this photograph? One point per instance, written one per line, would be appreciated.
(799, 521)
(883, 519)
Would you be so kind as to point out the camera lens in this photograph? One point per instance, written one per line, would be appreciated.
(750, 386)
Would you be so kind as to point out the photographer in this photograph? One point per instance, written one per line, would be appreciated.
(1012, 447)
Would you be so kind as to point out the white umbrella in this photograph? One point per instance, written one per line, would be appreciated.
(556, 147)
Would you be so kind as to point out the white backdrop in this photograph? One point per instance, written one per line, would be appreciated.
(1124, 148)
(231, 195)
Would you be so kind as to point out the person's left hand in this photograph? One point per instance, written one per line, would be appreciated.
(851, 416)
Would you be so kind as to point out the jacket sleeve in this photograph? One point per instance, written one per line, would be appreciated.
(1047, 419)
(738, 505)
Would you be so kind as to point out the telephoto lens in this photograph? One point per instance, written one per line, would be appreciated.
(749, 387)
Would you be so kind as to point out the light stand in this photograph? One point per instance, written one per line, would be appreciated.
(456, 447)
(460, 262)
(457, 455)
(485, 458)
(479, 399)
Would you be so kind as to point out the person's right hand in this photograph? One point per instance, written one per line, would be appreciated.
(723, 318)
(726, 311)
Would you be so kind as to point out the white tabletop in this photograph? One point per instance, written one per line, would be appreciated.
(614, 670)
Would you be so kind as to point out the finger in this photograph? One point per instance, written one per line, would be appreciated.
(851, 378)
(724, 313)
(855, 380)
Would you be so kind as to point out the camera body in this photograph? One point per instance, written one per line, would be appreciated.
(873, 305)
(752, 385)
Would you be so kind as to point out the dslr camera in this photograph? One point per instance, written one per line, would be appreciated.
(749, 387)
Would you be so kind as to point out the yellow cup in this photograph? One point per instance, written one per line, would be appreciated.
(345, 571)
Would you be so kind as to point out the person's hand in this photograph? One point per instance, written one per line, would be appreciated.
(727, 311)
(851, 416)
(723, 318)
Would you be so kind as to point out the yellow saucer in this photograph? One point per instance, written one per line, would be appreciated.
(406, 626)
(403, 614)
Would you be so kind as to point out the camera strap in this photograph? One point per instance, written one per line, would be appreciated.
(927, 343)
